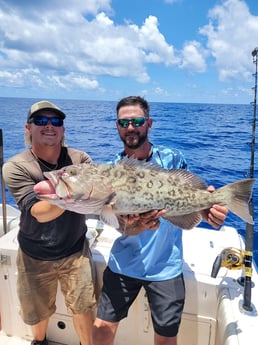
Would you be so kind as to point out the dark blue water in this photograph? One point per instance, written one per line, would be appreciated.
(214, 138)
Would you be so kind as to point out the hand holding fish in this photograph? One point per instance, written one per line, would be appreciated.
(216, 215)
(150, 220)
(134, 224)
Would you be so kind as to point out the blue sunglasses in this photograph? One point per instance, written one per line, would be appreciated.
(43, 121)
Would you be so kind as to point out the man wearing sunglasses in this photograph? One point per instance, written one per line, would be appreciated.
(52, 242)
(149, 259)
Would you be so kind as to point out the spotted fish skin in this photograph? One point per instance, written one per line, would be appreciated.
(132, 187)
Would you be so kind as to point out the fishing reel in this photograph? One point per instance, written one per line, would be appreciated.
(231, 258)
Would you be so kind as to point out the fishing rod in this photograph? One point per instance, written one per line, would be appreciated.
(250, 227)
(4, 214)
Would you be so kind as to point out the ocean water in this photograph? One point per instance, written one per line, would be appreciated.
(214, 138)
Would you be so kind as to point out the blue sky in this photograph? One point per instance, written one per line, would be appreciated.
(164, 50)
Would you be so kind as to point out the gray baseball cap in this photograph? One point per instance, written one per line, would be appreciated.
(44, 105)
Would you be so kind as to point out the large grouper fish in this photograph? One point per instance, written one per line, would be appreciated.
(134, 187)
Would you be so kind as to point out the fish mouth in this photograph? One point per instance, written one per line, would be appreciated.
(61, 188)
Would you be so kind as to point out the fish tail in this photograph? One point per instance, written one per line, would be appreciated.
(241, 193)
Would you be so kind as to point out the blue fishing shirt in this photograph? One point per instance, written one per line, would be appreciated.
(153, 255)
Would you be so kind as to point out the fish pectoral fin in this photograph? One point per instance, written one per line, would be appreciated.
(186, 221)
(108, 216)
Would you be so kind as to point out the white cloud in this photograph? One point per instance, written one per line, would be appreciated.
(32, 8)
(78, 45)
(67, 48)
(154, 44)
(231, 36)
(160, 91)
(26, 76)
(72, 80)
(193, 57)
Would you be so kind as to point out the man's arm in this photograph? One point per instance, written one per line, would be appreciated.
(45, 212)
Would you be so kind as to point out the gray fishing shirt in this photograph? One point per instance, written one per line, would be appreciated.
(51, 240)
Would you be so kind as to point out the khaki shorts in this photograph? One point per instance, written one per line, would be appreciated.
(38, 280)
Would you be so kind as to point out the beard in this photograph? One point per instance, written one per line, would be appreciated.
(134, 140)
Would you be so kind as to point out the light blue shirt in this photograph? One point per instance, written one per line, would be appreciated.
(152, 255)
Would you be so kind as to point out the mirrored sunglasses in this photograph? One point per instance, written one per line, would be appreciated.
(136, 122)
(43, 121)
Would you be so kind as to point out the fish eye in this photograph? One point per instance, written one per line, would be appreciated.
(73, 172)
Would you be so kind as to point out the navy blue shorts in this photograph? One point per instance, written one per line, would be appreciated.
(166, 300)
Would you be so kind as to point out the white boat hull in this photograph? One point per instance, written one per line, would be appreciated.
(213, 313)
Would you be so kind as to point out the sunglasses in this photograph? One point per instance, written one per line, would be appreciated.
(43, 121)
(136, 122)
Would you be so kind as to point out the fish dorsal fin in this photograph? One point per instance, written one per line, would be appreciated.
(187, 221)
(140, 164)
(131, 161)
(188, 177)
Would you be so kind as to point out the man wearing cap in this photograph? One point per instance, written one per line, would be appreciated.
(52, 242)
